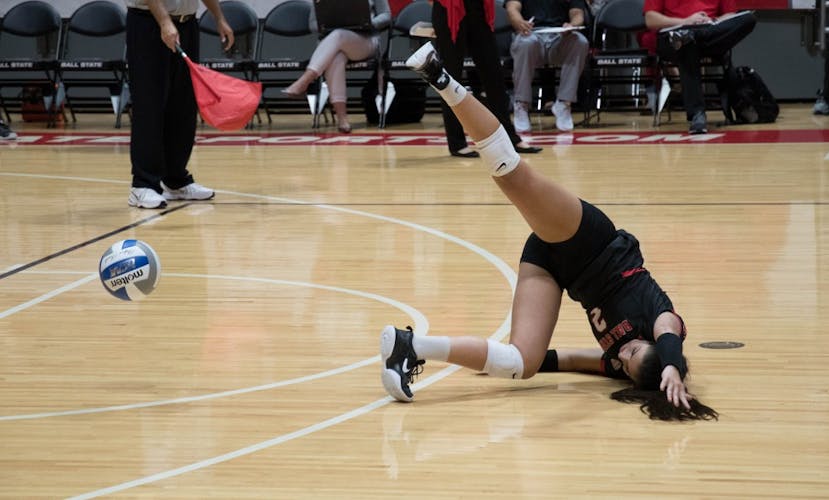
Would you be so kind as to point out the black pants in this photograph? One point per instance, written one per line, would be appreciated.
(163, 104)
(709, 41)
(477, 39)
(826, 73)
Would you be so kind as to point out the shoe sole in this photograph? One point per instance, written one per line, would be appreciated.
(171, 197)
(138, 205)
(391, 379)
(419, 56)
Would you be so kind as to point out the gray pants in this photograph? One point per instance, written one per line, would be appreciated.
(333, 53)
(539, 49)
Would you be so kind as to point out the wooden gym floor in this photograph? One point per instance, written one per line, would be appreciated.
(253, 370)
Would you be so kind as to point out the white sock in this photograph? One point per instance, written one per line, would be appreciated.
(452, 92)
(433, 348)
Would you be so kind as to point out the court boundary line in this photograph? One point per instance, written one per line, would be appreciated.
(502, 331)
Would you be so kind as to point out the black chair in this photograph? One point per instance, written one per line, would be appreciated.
(93, 56)
(284, 48)
(30, 36)
(619, 72)
(714, 70)
(360, 74)
(401, 45)
(240, 60)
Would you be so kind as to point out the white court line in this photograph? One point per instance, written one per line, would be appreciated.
(499, 334)
(418, 318)
(826, 157)
(47, 296)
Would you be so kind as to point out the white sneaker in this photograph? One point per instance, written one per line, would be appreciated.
(564, 120)
(145, 198)
(521, 118)
(192, 191)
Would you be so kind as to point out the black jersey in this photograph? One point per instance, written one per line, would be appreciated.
(621, 299)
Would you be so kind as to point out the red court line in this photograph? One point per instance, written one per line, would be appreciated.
(385, 138)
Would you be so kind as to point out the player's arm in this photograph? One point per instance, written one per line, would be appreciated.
(573, 360)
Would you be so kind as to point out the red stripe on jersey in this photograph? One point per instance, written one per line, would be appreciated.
(631, 272)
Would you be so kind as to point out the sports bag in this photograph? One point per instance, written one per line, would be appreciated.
(747, 99)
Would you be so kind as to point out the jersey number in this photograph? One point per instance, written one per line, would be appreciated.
(596, 318)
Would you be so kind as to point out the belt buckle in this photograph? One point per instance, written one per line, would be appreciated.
(183, 18)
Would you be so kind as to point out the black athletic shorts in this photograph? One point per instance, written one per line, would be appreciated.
(566, 260)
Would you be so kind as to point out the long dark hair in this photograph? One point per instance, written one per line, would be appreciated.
(653, 402)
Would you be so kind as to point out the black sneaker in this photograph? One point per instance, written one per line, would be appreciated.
(426, 63)
(680, 38)
(699, 124)
(400, 363)
(6, 134)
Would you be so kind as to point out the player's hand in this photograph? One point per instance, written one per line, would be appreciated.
(169, 34)
(226, 34)
(674, 387)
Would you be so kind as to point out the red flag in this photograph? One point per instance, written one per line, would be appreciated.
(225, 102)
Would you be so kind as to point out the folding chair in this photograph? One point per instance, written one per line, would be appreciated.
(240, 60)
(619, 73)
(401, 45)
(284, 48)
(372, 68)
(93, 55)
(30, 37)
(714, 71)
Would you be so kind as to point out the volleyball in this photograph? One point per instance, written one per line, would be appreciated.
(130, 269)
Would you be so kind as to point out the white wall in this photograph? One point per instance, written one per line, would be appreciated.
(67, 7)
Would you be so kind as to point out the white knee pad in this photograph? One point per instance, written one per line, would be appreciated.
(503, 360)
(498, 153)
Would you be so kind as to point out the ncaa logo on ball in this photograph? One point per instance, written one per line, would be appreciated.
(129, 269)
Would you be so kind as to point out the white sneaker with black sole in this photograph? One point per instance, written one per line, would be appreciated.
(193, 191)
(145, 198)
(400, 363)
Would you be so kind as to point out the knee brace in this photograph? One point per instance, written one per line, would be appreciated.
(498, 153)
(503, 360)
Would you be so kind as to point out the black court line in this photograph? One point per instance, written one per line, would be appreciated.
(89, 242)
(299, 204)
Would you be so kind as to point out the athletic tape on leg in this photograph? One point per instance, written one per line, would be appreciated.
(503, 361)
(498, 153)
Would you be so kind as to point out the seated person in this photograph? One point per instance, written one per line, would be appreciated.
(333, 53)
(531, 49)
(709, 30)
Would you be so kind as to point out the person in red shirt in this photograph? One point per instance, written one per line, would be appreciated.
(704, 28)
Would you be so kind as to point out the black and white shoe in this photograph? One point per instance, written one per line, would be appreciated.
(680, 38)
(426, 63)
(400, 363)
